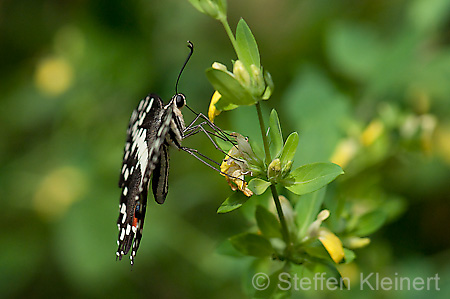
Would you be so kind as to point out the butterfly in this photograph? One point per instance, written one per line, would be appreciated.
(153, 128)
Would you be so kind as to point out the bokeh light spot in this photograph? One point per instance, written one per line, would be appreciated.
(58, 190)
(53, 76)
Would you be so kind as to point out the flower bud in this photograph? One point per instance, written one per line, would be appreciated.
(269, 85)
(241, 73)
(259, 84)
(219, 66)
(213, 8)
(274, 169)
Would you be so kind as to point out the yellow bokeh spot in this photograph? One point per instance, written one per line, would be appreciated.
(442, 141)
(58, 190)
(344, 152)
(53, 76)
(212, 111)
(332, 244)
(356, 242)
(372, 132)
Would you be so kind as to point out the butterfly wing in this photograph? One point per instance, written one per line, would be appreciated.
(146, 132)
(160, 179)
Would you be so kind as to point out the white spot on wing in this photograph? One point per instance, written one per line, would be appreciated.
(149, 105)
(142, 151)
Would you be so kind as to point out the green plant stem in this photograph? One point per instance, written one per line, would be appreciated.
(273, 189)
(225, 24)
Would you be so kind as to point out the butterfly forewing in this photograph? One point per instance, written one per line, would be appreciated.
(147, 130)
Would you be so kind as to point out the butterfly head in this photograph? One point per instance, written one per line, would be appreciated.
(180, 100)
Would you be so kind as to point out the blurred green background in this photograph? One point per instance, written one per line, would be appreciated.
(365, 83)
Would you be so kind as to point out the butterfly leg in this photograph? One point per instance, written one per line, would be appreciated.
(199, 128)
(220, 133)
(195, 153)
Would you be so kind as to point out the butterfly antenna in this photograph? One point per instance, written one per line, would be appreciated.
(191, 47)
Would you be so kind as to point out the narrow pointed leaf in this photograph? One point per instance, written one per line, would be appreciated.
(289, 149)
(311, 177)
(276, 137)
(231, 90)
(232, 203)
(306, 210)
(247, 50)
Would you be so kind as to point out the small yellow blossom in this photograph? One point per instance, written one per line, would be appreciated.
(356, 242)
(344, 152)
(372, 132)
(212, 111)
(330, 241)
(332, 244)
(234, 169)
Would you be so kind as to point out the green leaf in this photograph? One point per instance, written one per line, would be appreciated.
(276, 137)
(267, 223)
(289, 149)
(311, 177)
(331, 274)
(223, 105)
(225, 248)
(269, 85)
(247, 50)
(235, 201)
(317, 250)
(370, 222)
(349, 255)
(224, 145)
(231, 90)
(307, 208)
(252, 244)
(259, 152)
(258, 186)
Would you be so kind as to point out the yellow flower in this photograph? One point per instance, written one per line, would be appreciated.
(212, 111)
(234, 169)
(372, 132)
(332, 244)
(330, 241)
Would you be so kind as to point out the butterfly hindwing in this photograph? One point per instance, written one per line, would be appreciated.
(160, 182)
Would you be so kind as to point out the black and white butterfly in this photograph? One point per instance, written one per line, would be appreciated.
(153, 128)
